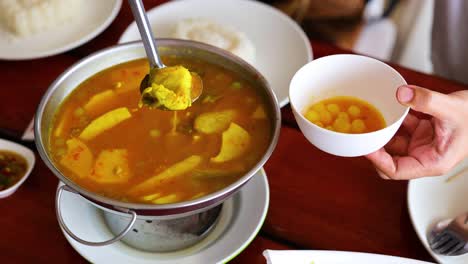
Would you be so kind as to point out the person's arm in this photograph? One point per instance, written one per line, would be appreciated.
(427, 147)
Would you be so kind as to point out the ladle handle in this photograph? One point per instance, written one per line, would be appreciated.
(58, 197)
(146, 33)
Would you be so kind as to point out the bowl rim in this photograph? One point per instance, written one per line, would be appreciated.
(189, 206)
(30, 161)
(301, 115)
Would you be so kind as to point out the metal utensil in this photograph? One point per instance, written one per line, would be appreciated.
(450, 237)
(151, 49)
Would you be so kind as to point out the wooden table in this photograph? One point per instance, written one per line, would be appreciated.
(318, 201)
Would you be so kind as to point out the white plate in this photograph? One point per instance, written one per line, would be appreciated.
(333, 257)
(241, 218)
(96, 16)
(433, 199)
(281, 45)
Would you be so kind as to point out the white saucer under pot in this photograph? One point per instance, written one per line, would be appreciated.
(240, 220)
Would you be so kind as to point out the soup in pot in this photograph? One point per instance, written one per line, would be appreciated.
(103, 141)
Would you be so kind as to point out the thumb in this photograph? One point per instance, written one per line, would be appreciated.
(425, 101)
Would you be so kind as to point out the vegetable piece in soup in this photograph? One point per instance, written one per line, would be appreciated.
(214, 122)
(235, 142)
(78, 158)
(111, 166)
(103, 141)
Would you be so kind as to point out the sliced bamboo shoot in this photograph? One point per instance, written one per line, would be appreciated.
(173, 171)
(105, 122)
(151, 197)
(235, 142)
(171, 198)
(99, 103)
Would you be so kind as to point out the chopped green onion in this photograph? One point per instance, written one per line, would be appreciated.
(236, 85)
(79, 112)
(155, 133)
(211, 98)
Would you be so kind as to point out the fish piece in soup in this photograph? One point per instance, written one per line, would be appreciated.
(111, 166)
(170, 88)
(214, 122)
(235, 142)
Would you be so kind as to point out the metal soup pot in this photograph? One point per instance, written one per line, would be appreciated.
(196, 216)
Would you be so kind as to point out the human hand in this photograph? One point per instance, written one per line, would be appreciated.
(428, 147)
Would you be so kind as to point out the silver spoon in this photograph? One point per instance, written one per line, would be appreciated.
(151, 49)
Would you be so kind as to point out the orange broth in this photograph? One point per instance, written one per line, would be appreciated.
(152, 140)
(345, 114)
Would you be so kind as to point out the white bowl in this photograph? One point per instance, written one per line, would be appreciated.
(27, 154)
(347, 75)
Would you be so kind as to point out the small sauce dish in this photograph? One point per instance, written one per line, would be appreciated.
(7, 147)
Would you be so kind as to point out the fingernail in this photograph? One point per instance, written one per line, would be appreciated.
(405, 94)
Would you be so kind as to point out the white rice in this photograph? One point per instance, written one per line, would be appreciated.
(27, 17)
(221, 36)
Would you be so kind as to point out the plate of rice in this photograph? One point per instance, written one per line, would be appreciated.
(258, 33)
(31, 29)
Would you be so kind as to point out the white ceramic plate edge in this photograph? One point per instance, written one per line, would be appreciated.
(411, 210)
(340, 257)
(259, 226)
(98, 30)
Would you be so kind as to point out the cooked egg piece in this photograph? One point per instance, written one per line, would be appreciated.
(354, 111)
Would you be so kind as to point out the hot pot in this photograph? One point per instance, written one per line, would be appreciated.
(195, 217)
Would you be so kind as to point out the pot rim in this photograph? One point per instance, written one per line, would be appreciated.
(165, 209)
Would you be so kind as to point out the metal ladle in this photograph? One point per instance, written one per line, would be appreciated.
(151, 49)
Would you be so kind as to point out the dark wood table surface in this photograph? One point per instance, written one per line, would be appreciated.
(318, 201)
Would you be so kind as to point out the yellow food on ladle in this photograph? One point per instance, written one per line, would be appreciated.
(171, 88)
(165, 87)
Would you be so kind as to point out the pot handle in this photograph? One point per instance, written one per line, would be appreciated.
(84, 242)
